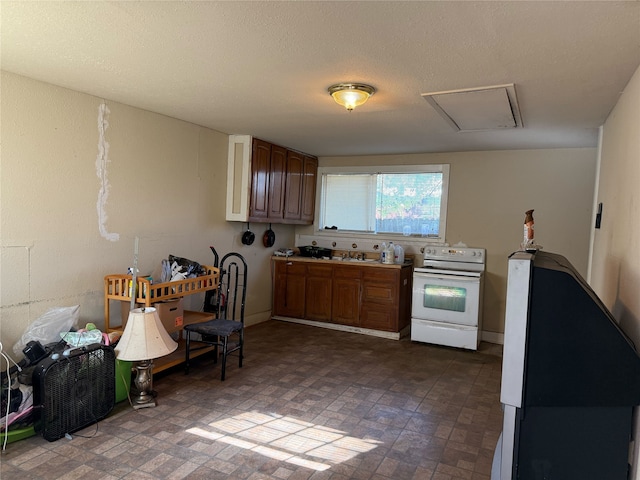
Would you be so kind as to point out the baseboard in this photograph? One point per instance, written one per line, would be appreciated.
(492, 337)
(344, 328)
(257, 318)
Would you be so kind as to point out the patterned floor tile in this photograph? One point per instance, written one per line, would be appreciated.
(308, 404)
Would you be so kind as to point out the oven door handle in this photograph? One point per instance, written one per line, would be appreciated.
(455, 278)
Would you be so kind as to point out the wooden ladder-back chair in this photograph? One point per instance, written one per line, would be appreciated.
(226, 331)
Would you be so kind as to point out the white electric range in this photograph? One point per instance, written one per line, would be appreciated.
(447, 297)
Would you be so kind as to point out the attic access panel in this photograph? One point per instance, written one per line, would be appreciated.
(477, 109)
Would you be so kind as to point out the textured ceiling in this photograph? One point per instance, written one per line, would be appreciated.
(263, 68)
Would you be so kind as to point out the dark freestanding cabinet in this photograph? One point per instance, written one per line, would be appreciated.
(570, 380)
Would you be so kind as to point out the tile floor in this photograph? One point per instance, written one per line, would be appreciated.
(309, 403)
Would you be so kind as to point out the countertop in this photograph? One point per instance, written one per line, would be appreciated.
(339, 261)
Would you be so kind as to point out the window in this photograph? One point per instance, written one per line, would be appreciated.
(407, 200)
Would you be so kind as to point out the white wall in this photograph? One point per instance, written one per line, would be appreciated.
(167, 186)
(488, 195)
(615, 264)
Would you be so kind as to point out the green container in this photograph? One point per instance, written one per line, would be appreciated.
(123, 380)
(18, 434)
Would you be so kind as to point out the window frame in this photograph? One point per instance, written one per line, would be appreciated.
(380, 169)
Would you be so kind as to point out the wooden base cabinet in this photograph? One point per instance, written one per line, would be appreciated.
(372, 297)
(289, 289)
(379, 299)
(386, 299)
(318, 292)
(345, 306)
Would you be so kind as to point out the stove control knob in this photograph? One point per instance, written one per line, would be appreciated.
(473, 254)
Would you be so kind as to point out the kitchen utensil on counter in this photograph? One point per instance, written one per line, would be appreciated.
(269, 238)
(314, 252)
(248, 237)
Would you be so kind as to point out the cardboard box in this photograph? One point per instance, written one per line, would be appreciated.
(171, 314)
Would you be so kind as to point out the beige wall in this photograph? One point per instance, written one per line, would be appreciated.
(615, 263)
(488, 195)
(167, 186)
(615, 269)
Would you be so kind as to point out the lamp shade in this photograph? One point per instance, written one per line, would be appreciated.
(144, 337)
(351, 95)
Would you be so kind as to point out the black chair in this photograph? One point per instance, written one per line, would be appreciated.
(226, 331)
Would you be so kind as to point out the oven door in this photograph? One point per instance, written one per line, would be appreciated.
(449, 298)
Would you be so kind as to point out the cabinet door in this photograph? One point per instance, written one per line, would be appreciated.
(377, 317)
(260, 167)
(293, 186)
(277, 178)
(309, 181)
(318, 294)
(289, 289)
(345, 302)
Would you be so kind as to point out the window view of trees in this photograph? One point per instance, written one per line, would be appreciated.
(407, 203)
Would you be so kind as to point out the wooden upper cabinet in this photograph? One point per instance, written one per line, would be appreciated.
(260, 169)
(277, 178)
(300, 190)
(293, 186)
(269, 183)
(268, 170)
(309, 181)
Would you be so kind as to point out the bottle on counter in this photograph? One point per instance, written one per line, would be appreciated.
(383, 252)
(399, 254)
(389, 257)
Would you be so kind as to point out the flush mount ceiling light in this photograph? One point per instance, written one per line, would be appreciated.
(351, 95)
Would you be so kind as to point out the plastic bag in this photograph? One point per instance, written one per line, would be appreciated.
(46, 329)
(185, 267)
(79, 339)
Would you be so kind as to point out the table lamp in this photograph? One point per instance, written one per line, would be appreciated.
(144, 338)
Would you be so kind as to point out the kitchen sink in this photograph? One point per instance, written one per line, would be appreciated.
(366, 260)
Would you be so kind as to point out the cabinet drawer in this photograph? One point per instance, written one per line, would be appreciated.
(382, 275)
(379, 292)
(291, 268)
(347, 271)
(320, 271)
